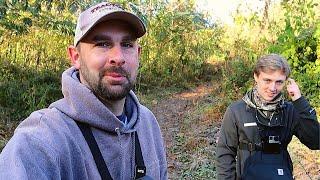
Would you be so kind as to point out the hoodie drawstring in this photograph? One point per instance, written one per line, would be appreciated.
(133, 152)
(133, 159)
(121, 153)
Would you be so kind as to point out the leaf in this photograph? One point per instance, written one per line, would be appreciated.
(27, 21)
(139, 13)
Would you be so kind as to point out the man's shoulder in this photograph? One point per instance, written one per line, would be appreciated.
(145, 109)
(43, 118)
(147, 118)
(33, 122)
(239, 104)
(146, 113)
(48, 126)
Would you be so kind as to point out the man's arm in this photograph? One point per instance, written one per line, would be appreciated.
(227, 148)
(26, 157)
(163, 166)
(307, 127)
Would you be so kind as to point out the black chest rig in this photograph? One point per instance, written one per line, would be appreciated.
(271, 131)
(268, 158)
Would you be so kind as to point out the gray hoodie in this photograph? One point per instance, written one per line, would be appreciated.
(49, 144)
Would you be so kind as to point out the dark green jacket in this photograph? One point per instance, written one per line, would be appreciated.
(299, 120)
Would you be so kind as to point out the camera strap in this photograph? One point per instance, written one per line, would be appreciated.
(267, 134)
(245, 145)
(86, 131)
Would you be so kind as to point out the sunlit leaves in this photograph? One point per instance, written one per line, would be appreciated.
(16, 16)
(299, 42)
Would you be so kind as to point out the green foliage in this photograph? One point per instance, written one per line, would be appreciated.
(30, 71)
(238, 77)
(35, 34)
(177, 45)
(295, 36)
(17, 16)
(299, 43)
(23, 90)
(175, 51)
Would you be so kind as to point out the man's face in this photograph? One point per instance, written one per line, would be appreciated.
(109, 62)
(270, 84)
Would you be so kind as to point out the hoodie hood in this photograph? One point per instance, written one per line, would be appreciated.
(80, 104)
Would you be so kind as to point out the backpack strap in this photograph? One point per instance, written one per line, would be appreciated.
(244, 145)
(140, 170)
(94, 148)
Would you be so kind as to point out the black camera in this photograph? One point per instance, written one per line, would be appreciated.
(271, 145)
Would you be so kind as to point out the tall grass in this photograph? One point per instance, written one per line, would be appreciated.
(31, 66)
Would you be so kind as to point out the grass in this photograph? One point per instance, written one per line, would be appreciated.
(195, 147)
(6, 131)
(305, 162)
(151, 96)
(194, 144)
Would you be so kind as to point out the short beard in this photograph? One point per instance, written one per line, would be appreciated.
(102, 90)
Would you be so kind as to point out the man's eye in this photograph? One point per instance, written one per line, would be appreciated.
(103, 44)
(279, 82)
(127, 44)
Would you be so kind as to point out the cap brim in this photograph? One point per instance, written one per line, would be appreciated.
(130, 18)
(134, 21)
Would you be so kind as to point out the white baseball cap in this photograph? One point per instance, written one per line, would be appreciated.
(106, 11)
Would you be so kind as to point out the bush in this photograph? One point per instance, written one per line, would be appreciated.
(30, 68)
(24, 90)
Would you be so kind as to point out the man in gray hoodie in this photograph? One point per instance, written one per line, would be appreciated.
(99, 130)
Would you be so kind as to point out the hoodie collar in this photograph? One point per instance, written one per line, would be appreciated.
(80, 104)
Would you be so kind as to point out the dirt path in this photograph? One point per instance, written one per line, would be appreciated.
(172, 114)
(189, 123)
(190, 136)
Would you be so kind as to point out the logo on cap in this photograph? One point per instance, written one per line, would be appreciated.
(109, 6)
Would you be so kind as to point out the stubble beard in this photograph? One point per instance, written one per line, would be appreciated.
(103, 90)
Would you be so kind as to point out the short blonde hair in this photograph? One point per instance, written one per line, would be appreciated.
(272, 62)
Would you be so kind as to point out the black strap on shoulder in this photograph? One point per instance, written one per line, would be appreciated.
(140, 169)
(101, 164)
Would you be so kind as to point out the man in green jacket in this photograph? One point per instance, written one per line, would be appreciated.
(257, 129)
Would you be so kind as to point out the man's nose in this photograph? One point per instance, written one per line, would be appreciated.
(273, 87)
(116, 57)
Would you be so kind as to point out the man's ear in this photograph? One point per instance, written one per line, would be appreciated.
(255, 77)
(74, 56)
(139, 50)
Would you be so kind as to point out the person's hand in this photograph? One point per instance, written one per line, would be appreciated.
(293, 89)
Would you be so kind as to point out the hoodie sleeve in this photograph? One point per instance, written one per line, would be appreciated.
(26, 157)
(227, 147)
(307, 127)
(163, 166)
